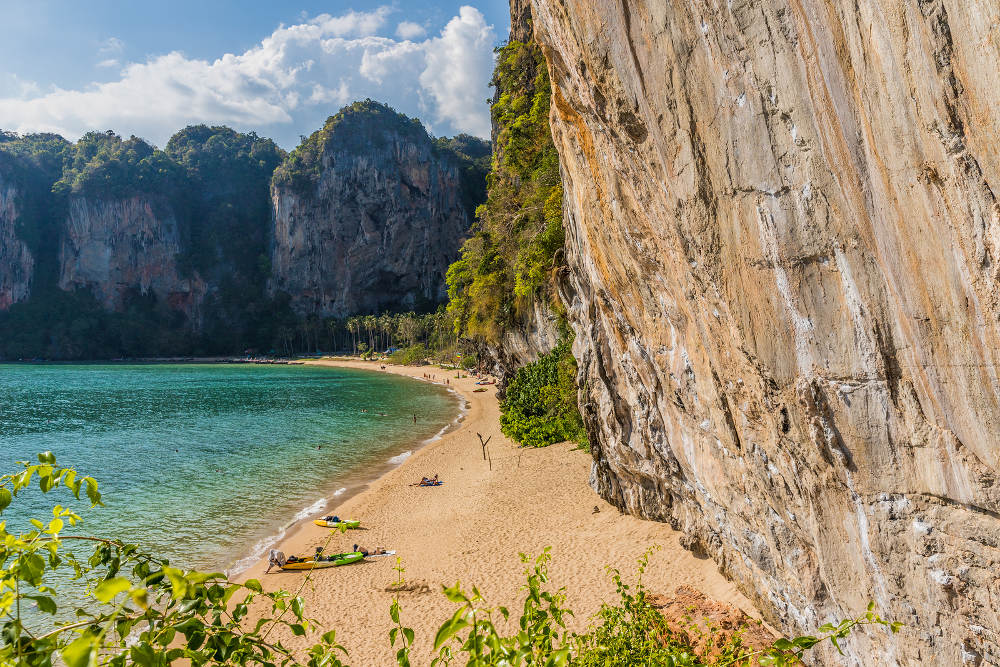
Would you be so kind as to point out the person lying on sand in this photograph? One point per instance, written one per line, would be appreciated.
(427, 481)
(365, 552)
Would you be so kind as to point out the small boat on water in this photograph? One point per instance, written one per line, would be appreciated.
(321, 561)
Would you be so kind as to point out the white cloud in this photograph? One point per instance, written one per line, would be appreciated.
(410, 30)
(456, 62)
(110, 62)
(284, 86)
(111, 45)
(11, 85)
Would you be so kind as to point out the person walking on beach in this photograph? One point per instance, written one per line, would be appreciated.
(414, 418)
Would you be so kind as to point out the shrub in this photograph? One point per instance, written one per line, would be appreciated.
(414, 354)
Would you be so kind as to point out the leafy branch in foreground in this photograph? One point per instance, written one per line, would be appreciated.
(141, 611)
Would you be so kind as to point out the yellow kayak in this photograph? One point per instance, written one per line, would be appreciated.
(336, 524)
(335, 560)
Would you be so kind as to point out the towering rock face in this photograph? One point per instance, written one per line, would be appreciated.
(16, 262)
(375, 221)
(784, 252)
(118, 246)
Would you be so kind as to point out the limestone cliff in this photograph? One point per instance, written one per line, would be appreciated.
(784, 252)
(16, 262)
(130, 245)
(367, 216)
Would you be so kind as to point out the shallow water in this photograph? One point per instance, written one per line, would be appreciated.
(205, 464)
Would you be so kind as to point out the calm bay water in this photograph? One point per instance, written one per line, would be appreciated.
(206, 464)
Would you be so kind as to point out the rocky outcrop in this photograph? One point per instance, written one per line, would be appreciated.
(376, 227)
(536, 334)
(16, 262)
(116, 247)
(784, 252)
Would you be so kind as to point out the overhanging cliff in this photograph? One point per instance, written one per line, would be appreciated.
(782, 238)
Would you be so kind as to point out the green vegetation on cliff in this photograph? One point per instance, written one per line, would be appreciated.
(213, 181)
(367, 124)
(228, 232)
(507, 263)
(107, 166)
(33, 162)
(507, 266)
(216, 183)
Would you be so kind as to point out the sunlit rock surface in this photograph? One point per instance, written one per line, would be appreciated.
(116, 247)
(783, 250)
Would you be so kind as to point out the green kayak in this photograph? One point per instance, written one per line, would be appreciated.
(333, 560)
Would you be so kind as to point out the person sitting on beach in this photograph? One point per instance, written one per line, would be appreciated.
(377, 551)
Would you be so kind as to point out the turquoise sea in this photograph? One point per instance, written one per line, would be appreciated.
(209, 464)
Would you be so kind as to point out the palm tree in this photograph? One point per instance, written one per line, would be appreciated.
(352, 326)
(370, 323)
(385, 325)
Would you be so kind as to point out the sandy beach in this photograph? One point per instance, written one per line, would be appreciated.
(472, 528)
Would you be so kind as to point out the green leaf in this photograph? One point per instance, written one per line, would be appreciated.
(455, 594)
(108, 589)
(895, 626)
(47, 457)
(783, 645)
(451, 627)
(93, 495)
(5, 498)
(45, 603)
(254, 585)
(81, 653)
(297, 629)
(394, 611)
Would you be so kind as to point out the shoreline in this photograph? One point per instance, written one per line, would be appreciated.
(472, 530)
(349, 485)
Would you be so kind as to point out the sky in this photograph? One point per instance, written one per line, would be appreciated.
(277, 68)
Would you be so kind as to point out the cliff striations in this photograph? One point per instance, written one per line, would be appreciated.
(367, 216)
(16, 261)
(784, 253)
(116, 247)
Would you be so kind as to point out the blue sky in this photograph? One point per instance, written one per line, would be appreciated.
(279, 68)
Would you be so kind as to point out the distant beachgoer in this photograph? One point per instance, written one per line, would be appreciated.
(366, 552)
(414, 418)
